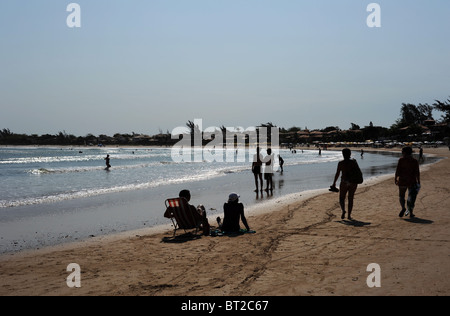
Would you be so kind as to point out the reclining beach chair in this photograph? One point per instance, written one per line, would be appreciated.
(180, 213)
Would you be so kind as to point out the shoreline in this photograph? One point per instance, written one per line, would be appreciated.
(286, 257)
(255, 209)
(103, 215)
(70, 219)
(252, 211)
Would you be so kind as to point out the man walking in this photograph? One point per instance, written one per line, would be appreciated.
(407, 177)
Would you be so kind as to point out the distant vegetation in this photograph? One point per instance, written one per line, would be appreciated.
(416, 123)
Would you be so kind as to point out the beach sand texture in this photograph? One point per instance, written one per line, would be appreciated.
(300, 248)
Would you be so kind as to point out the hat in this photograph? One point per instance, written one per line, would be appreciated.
(233, 197)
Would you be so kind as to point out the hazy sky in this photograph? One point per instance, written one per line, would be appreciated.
(144, 65)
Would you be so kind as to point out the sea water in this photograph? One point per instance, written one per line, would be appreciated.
(54, 195)
(44, 175)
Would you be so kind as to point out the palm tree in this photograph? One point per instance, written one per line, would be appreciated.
(443, 107)
(194, 131)
(268, 126)
(224, 135)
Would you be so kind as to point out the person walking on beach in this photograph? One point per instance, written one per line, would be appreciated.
(256, 169)
(107, 160)
(407, 177)
(421, 157)
(351, 177)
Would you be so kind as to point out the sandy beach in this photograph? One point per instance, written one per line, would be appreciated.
(301, 247)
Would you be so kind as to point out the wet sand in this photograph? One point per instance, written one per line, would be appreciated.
(301, 247)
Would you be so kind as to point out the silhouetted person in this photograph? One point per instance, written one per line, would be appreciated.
(407, 177)
(268, 170)
(421, 157)
(256, 169)
(281, 163)
(233, 212)
(349, 168)
(108, 165)
(199, 212)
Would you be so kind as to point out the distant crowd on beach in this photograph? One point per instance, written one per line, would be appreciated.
(407, 178)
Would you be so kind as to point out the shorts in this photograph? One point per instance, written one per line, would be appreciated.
(347, 188)
(256, 170)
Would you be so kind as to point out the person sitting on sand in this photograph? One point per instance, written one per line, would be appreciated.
(233, 212)
(347, 167)
(407, 177)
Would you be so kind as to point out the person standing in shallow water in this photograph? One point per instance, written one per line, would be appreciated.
(107, 160)
(281, 163)
(407, 177)
(268, 170)
(257, 169)
(348, 167)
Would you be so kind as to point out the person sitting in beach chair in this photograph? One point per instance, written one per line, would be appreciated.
(186, 216)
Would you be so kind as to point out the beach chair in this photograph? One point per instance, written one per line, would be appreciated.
(180, 213)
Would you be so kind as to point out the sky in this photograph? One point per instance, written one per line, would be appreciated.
(148, 65)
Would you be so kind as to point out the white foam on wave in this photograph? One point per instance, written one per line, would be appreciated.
(205, 172)
(71, 158)
(43, 171)
(100, 191)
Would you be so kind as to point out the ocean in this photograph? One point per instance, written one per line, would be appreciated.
(56, 195)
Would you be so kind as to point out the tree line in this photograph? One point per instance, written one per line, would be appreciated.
(416, 123)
